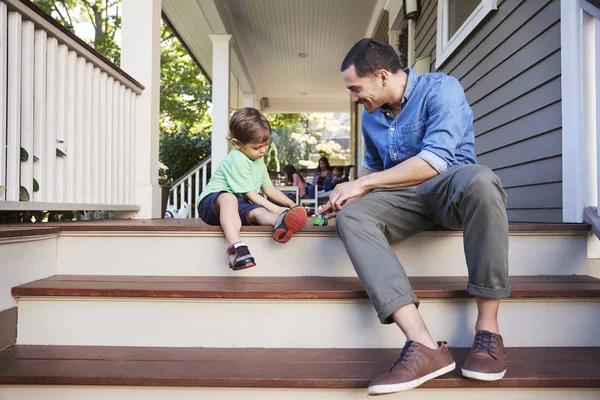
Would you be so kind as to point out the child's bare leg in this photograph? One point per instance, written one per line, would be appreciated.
(261, 216)
(227, 207)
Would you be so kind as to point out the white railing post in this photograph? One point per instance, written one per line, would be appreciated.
(69, 145)
(61, 115)
(140, 56)
(13, 119)
(3, 93)
(27, 85)
(220, 98)
(49, 156)
(39, 111)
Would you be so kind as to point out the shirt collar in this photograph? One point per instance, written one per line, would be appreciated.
(411, 83)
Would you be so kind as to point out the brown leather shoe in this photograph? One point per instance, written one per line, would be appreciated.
(487, 359)
(416, 365)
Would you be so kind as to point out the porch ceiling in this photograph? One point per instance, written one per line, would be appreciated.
(269, 37)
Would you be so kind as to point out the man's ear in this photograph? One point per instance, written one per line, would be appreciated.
(384, 76)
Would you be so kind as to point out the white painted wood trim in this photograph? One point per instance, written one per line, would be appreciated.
(13, 119)
(79, 48)
(3, 93)
(379, 8)
(109, 140)
(49, 156)
(445, 46)
(102, 133)
(95, 164)
(573, 135)
(220, 98)
(121, 148)
(70, 139)
(61, 116)
(78, 132)
(87, 133)
(27, 88)
(114, 161)
(39, 110)
(597, 108)
(38, 206)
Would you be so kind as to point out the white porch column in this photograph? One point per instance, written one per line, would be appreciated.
(220, 98)
(249, 100)
(140, 58)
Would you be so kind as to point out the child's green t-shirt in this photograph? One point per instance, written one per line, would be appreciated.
(238, 174)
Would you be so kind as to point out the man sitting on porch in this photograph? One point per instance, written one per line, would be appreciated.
(419, 170)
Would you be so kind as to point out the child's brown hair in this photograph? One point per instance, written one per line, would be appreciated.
(248, 125)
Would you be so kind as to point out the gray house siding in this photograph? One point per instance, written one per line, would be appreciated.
(510, 68)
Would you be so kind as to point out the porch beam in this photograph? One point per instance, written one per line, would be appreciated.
(140, 57)
(220, 98)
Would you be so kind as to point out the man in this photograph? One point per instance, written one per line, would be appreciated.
(419, 170)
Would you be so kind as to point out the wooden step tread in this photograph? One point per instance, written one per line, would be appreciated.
(196, 225)
(239, 287)
(274, 368)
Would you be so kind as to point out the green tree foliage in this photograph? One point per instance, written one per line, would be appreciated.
(181, 151)
(103, 15)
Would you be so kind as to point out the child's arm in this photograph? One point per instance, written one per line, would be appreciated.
(258, 199)
(275, 194)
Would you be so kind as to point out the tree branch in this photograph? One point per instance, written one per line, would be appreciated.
(68, 15)
(88, 8)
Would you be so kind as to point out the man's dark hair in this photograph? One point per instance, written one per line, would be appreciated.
(371, 55)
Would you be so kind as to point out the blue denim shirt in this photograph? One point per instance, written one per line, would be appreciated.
(435, 124)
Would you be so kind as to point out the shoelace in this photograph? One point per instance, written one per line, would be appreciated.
(405, 353)
(485, 341)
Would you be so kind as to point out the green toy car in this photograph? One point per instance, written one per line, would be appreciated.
(319, 220)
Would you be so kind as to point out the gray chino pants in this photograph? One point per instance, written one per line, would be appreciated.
(467, 196)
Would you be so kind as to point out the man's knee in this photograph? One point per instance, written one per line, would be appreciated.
(484, 185)
(347, 219)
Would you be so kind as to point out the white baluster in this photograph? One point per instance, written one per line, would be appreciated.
(121, 147)
(181, 193)
(14, 107)
(70, 136)
(102, 122)
(204, 176)
(189, 191)
(132, 149)
(49, 157)
(27, 63)
(78, 130)
(115, 144)
(95, 153)
(87, 133)
(39, 112)
(175, 200)
(197, 191)
(126, 147)
(109, 139)
(61, 111)
(3, 93)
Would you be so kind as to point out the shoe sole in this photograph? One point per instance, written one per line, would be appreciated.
(399, 387)
(245, 266)
(482, 376)
(293, 221)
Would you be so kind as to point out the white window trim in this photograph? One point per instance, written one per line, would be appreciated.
(445, 46)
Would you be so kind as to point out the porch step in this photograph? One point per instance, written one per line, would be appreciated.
(325, 312)
(315, 287)
(186, 247)
(534, 367)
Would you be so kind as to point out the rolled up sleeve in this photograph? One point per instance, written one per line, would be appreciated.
(373, 160)
(449, 118)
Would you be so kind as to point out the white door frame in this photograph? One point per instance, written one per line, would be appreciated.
(579, 101)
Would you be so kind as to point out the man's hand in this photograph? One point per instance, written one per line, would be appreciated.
(343, 194)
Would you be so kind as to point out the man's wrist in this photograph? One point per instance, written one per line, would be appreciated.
(366, 182)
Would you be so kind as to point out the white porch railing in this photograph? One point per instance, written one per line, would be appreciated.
(188, 187)
(67, 119)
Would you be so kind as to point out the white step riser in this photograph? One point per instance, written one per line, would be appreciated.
(427, 254)
(145, 393)
(291, 323)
